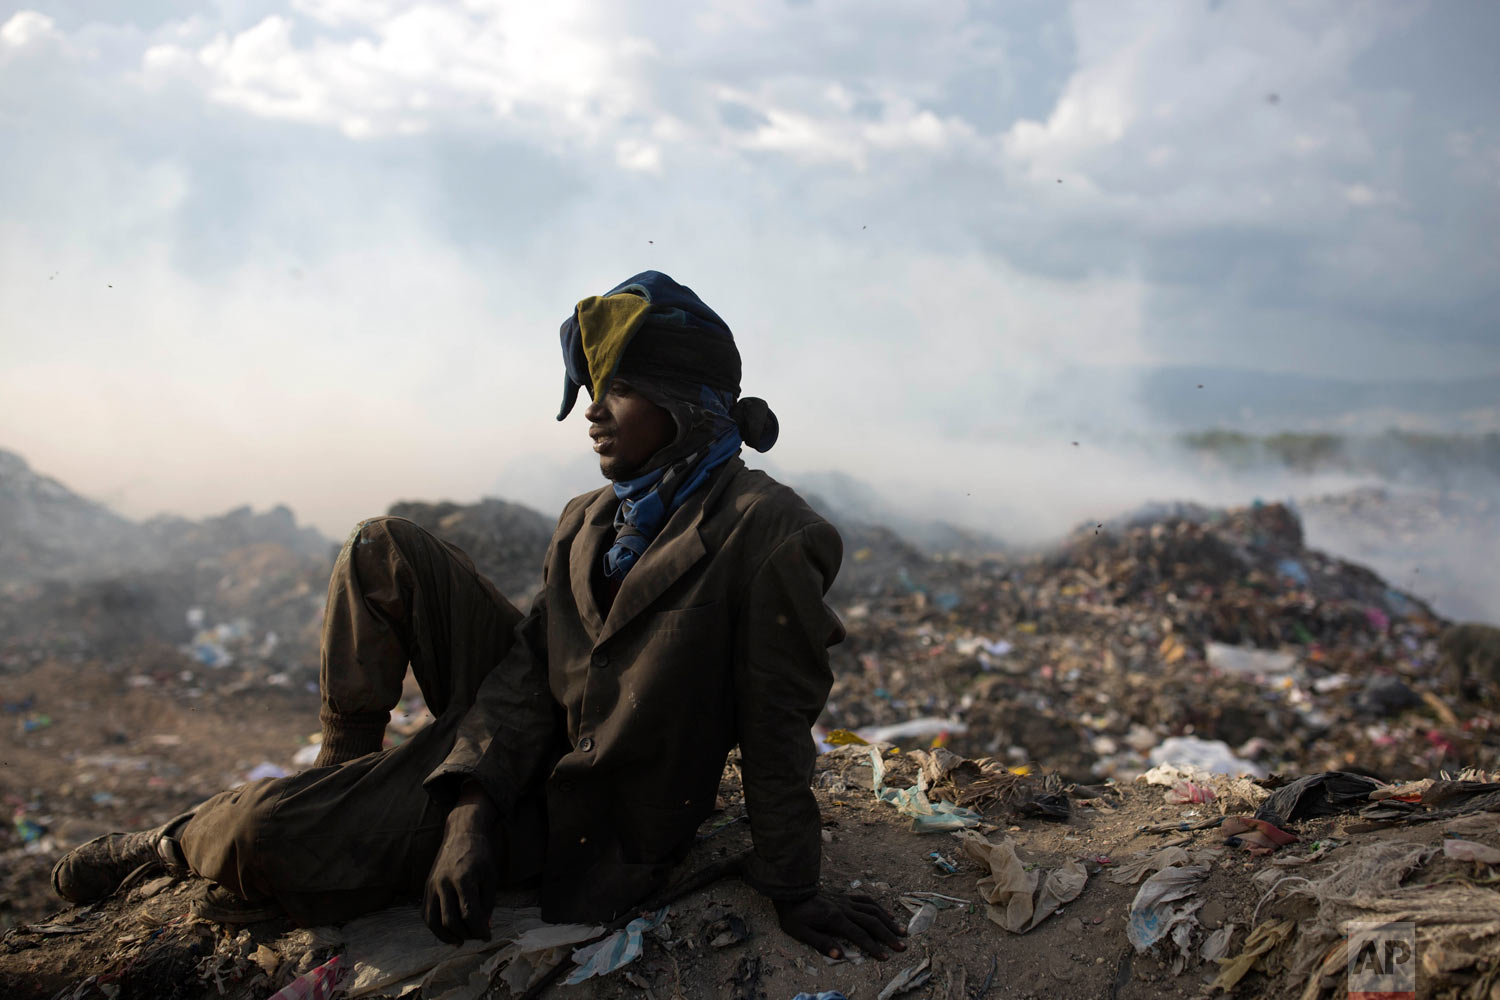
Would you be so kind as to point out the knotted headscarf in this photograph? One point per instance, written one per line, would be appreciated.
(669, 345)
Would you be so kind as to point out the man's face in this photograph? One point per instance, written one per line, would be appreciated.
(627, 429)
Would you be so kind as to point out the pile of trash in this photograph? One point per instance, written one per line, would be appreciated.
(1221, 626)
(507, 541)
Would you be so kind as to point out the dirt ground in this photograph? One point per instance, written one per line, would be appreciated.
(129, 754)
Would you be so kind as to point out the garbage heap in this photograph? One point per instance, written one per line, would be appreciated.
(222, 597)
(1217, 627)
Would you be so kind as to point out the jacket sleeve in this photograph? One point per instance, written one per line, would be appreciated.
(782, 681)
(503, 739)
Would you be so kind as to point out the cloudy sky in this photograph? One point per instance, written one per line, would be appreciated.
(317, 251)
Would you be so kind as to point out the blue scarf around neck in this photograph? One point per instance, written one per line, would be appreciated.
(649, 500)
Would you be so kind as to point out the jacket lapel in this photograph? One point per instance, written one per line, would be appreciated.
(671, 554)
(586, 550)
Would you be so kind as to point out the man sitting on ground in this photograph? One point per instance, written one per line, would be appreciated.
(579, 747)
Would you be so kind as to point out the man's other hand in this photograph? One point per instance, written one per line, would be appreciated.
(830, 917)
(461, 887)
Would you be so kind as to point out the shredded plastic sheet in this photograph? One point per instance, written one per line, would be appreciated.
(1189, 793)
(1137, 866)
(1471, 850)
(319, 984)
(525, 961)
(1324, 794)
(1216, 945)
(1152, 915)
(1192, 753)
(926, 816)
(614, 952)
(1021, 899)
(393, 945)
(1257, 836)
(908, 979)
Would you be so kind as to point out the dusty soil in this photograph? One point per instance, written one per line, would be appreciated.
(146, 942)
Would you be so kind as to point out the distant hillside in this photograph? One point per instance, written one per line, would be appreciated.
(48, 532)
(1438, 461)
(1266, 401)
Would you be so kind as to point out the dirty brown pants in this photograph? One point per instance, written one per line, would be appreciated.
(339, 840)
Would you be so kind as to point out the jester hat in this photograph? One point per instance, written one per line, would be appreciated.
(669, 331)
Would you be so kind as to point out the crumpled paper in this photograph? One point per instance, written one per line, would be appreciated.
(926, 816)
(1021, 899)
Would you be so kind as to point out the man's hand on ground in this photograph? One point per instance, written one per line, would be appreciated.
(464, 879)
(830, 917)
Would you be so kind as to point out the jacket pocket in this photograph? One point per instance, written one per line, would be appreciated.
(697, 618)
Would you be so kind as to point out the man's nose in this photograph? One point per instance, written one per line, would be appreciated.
(595, 411)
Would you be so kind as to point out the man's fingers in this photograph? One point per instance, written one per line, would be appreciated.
(848, 928)
(822, 942)
(476, 916)
(880, 913)
(878, 928)
(432, 913)
(453, 919)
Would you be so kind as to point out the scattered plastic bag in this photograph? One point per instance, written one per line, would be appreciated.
(908, 979)
(615, 951)
(913, 729)
(1152, 914)
(319, 984)
(1216, 945)
(1324, 794)
(265, 769)
(1247, 659)
(1471, 850)
(1213, 756)
(1021, 899)
(926, 816)
(1131, 870)
(1189, 793)
(1257, 836)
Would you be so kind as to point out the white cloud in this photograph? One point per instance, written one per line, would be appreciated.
(375, 69)
(342, 232)
(27, 27)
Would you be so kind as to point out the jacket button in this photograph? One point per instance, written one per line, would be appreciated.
(586, 744)
(600, 658)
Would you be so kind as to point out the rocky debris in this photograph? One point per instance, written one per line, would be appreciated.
(507, 541)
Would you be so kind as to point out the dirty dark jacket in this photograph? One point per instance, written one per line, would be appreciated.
(717, 637)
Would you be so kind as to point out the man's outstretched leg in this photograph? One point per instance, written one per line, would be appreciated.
(334, 841)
